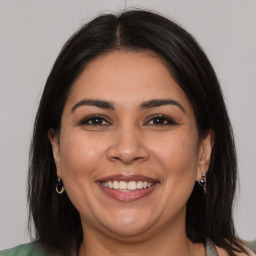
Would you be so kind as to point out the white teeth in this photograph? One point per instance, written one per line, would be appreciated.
(139, 185)
(123, 185)
(115, 184)
(110, 184)
(132, 185)
(127, 186)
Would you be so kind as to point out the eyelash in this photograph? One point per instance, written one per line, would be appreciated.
(162, 120)
(88, 119)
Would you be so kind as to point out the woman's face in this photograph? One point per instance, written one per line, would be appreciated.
(128, 150)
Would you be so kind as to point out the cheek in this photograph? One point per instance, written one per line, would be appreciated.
(79, 155)
(79, 158)
(179, 161)
(177, 154)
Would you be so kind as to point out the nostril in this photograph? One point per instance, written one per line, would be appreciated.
(127, 150)
(127, 160)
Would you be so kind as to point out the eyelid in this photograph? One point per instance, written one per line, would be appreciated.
(94, 116)
(162, 116)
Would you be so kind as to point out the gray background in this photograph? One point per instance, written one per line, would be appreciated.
(32, 34)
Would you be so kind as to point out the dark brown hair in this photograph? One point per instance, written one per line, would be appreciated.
(57, 222)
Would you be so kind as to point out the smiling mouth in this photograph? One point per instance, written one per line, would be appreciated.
(127, 188)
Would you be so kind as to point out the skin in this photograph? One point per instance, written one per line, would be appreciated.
(129, 141)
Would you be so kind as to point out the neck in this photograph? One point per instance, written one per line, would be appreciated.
(166, 241)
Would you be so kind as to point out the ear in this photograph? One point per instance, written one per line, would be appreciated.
(204, 153)
(54, 139)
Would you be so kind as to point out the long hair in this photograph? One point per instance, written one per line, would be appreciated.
(56, 221)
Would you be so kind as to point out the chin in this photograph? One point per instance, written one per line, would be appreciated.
(128, 233)
(128, 227)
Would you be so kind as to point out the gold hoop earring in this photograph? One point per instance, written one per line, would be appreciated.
(59, 186)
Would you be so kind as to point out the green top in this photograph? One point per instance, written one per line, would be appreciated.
(30, 249)
(252, 245)
(35, 249)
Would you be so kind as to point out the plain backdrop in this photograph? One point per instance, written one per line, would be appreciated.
(31, 36)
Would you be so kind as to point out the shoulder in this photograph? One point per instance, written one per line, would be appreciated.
(30, 249)
(223, 252)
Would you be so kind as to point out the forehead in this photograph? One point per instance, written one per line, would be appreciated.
(126, 77)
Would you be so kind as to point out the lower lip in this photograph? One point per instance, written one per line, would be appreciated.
(127, 195)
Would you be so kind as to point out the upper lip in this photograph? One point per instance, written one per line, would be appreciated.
(127, 178)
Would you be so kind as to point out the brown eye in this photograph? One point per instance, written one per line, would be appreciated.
(161, 120)
(94, 121)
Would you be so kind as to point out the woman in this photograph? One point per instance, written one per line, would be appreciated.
(132, 151)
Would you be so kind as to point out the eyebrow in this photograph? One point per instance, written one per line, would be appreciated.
(161, 102)
(145, 105)
(96, 103)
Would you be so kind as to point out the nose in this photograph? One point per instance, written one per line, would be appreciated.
(127, 147)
